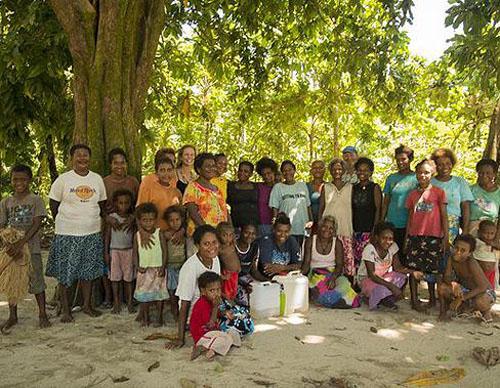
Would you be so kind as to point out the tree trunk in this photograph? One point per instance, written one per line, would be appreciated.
(492, 149)
(112, 43)
(51, 158)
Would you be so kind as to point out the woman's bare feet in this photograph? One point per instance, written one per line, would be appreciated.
(67, 318)
(419, 306)
(43, 322)
(91, 312)
(5, 326)
(117, 309)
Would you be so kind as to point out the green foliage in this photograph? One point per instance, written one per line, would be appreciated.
(36, 102)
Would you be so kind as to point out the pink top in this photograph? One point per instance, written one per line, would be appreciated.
(426, 217)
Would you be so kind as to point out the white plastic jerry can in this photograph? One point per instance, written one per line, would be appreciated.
(265, 299)
(296, 288)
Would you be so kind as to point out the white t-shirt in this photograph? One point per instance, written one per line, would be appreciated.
(187, 287)
(382, 265)
(79, 197)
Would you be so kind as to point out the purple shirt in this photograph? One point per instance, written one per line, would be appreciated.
(265, 212)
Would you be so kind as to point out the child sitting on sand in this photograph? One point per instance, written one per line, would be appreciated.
(487, 252)
(23, 211)
(204, 323)
(150, 263)
(464, 286)
(230, 261)
(118, 252)
(177, 251)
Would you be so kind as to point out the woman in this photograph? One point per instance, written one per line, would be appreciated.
(315, 186)
(292, 198)
(118, 179)
(278, 252)
(185, 163)
(220, 179)
(204, 260)
(366, 206)
(397, 187)
(324, 262)
(242, 197)
(335, 201)
(77, 202)
(458, 194)
(381, 274)
(486, 195)
(267, 169)
(160, 191)
(203, 200)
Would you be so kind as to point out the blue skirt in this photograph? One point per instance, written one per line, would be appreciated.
(73, 258)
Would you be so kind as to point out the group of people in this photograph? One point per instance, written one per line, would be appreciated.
(188, 234)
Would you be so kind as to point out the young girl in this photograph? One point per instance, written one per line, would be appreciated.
(150, 264)
(177, 251)
(161, 192)
(118, 253)
(204, 323)
(427, 230)
(366, 206)
(247, 250)
(230, 262)
(486, 252)
(381, 274)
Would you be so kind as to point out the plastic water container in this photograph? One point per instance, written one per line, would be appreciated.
(296, 288)
(265, 299)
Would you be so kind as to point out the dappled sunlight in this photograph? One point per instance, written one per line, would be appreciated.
(423, 327)
(3, 303)
(313, 339)
(409, 360)
(496, 307)
(389, 334)
(292, 319)
(262, 327)
(455, 337)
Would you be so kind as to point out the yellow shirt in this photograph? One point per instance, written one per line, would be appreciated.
(221, 183)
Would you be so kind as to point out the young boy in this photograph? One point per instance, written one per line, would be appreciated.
(464, 282)
(204, 323)
(487, 252)
(231, 266)
(25, 211)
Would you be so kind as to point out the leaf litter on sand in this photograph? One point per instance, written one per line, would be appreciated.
(332, 382)
(155, 336)
(187, 383)
(428, 378)
(153, 366)
(487, 357)
(119, 379)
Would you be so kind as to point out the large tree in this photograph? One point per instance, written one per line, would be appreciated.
(476, 54)
(112, 44)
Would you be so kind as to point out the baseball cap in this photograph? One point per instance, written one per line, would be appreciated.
(350, 149)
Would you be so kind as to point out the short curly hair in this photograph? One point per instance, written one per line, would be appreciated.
(266, 162)
(444, 153)
(487, 162)
(200, 159)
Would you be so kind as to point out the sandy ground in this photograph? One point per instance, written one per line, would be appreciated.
(299, 351)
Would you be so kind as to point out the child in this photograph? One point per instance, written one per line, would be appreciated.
(464, 282)
(487, 253)
(118, 253)
(247, 250)
(204, 323)
(427, 231)
(25, 211)
(150, 264)
(177, 252)
(381, 275)
(230, 262)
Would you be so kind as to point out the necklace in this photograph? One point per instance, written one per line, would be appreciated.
(323, 248)
(240, 251)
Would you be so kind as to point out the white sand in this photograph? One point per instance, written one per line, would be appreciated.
(282, 352)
